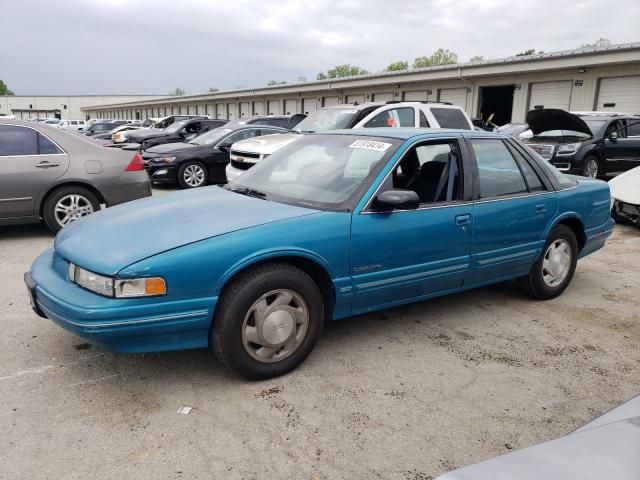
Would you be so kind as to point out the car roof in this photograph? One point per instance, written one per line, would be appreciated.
(407, 133)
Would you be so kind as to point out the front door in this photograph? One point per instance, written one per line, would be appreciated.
(29, 161)
(623, 152)
(511, 213)
(400, 256)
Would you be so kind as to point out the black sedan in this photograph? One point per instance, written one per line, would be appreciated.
(181, 131)
(202, 160)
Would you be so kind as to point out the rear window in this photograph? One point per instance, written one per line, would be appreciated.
(450, 118)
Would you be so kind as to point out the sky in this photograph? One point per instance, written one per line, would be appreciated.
(80, 47)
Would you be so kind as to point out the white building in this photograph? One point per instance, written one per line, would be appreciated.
(584, 79)
(66, 107)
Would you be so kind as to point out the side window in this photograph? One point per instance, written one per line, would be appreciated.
(47, 147)
(397, 117)
(432, 171)
(497, 169)
(633, 128)
(612, 127)
(531, 177)
(15, 141)
(450, 118)
(193, 127)
(242, 135)
(423, 120)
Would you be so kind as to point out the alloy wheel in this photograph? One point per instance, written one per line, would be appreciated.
(71, 207)
(591, 169)
(193, 175)
(275, 326)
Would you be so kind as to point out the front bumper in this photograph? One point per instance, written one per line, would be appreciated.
(119, 325)
(627, 212)
(232, 173)
(162, 173)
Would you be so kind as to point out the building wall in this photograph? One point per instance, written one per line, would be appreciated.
(46, 105)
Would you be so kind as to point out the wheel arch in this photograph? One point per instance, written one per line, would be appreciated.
(575, 223)
(70, 183)
(311, 264)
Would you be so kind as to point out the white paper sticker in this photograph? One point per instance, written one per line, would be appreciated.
(185, 410)
(370, 145)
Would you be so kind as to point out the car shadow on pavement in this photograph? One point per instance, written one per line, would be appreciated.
(34, 230)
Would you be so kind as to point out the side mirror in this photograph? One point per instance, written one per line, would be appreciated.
(224, 147)
(613, 136)
(397, 200)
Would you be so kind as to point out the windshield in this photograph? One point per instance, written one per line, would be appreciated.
(212, 136)
(326, 172)
(174, 127)
(327, 119)
(594, 125)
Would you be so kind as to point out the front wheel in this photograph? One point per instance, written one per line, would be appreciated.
(267, 321)
(553, 271)
(590, 167)
(192, 175)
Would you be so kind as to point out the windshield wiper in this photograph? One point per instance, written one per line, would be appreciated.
(249, 192)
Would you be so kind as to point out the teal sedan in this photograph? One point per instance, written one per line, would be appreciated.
(333, 225)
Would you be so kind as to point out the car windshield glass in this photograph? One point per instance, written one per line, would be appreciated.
(317, 171)
(563, 133)
(212, 136)
(174, 127)
(595, 125)
(327, 119)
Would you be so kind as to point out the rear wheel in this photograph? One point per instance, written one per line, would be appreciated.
(67, 205)
(553, 271)
(268, 321)
(192, 174)
(590, 167)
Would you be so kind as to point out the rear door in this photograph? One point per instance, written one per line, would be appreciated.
(29, 161)
(512, 209)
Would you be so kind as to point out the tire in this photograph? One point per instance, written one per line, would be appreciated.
(281, 348)
(590, 167)
(77, 201)
(192, 174)
(548, 278)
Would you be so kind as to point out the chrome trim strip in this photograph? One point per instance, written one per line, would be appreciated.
(413, 276)
(511, 256)
(176, 316)
(17, 199)
(528, 195)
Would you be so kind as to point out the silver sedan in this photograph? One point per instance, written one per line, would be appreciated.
(52, 175)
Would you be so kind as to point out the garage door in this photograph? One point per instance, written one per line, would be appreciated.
(550, 95)
(290, 107)
(274, 107)
(620, 94)
(383, 97)
(220, 111)
(245, 109)
(258, 108)
(455, 96)
(309, 105)
(329, 101)
(232, 110)
(416, 96)
(351, 99)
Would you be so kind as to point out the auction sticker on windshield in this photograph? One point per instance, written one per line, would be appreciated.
(370, 145)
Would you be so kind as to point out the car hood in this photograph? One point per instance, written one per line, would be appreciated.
(171, 148)
(265, 145)
(112, 239)
(138, 136)
(626, 186)
(547, 119)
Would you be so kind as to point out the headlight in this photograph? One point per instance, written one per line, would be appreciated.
(118, 137)
(119, 288)
(568, 148)
(163, 159)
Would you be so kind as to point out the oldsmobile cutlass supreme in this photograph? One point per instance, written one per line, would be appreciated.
(334, 224)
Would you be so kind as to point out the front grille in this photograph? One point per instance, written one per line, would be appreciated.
(237, 153)
(241, 165)
(545, 151)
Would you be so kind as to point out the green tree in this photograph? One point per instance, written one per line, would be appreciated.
(531, 51)
(213, 89)
(439, 57)
(601, 42)
(271, 83)
(476, 59)
(398, 66)
(339, 71)
(178, 92)
(4, 90)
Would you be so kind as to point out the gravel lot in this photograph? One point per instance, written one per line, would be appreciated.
(406, 393)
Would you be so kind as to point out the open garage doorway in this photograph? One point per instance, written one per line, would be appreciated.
(497, 101)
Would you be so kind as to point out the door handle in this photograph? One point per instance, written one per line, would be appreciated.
(46, 164)
(541, 207)
(463, 219)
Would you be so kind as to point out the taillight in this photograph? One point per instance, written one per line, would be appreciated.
(136, 164)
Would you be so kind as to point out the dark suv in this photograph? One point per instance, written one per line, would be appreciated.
(591, 144)
(180, 131)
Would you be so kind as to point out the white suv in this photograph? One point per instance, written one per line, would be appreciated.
(71, 124)
(246, 153)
